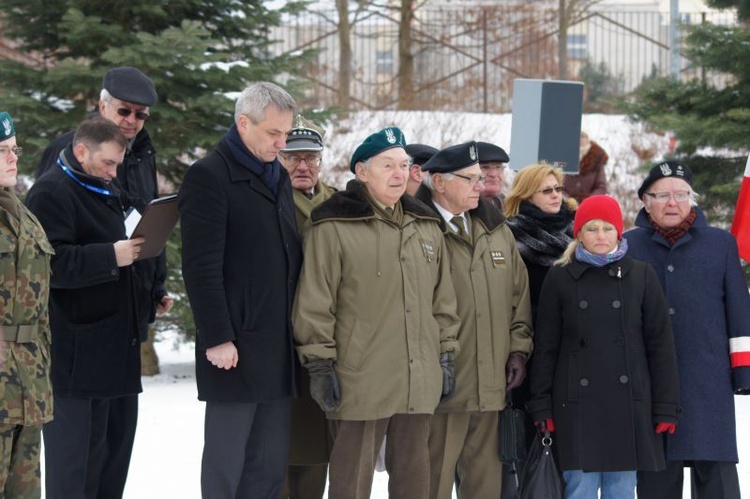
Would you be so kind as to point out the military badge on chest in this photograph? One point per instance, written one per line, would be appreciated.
(498, 260)
(428, 248)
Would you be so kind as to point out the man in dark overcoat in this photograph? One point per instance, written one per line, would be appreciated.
(94, 320)
(241, 256)
(709, 306)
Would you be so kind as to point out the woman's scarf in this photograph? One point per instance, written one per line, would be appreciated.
(541, 237)
(585, 256)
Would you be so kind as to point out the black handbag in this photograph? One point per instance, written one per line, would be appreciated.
(540, 478)
(512, 435)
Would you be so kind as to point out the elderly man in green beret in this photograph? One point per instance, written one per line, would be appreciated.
(492, 288)
(375, 321)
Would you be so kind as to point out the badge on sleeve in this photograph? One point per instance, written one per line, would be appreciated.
(498, 260)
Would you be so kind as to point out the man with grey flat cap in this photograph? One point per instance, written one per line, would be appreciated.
(492, 292)
(420, 154)
(125, 99)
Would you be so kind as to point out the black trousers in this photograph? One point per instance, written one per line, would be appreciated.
(87, 447)
(709, 480)
(246, 449)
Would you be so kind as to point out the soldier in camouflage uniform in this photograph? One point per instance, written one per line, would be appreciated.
(25, 389)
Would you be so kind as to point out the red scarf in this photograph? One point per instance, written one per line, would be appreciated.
(673, 234)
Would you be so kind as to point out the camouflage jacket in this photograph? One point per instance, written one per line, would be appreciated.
(25, 388)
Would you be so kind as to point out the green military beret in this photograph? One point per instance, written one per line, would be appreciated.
(6, 126)
(453, 158)
(385, 139)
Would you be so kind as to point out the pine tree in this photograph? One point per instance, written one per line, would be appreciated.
(710, 112)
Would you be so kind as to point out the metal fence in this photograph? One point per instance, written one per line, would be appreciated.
(466, 58)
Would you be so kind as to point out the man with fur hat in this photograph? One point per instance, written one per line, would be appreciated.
(310, 440)
(26, 401)
(493, 160)
(375, 321)
(492, 291)
(125, 99)
(709, 306)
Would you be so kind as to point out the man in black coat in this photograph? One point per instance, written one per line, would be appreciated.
(96, 369)
(125, 99)
(241, 256)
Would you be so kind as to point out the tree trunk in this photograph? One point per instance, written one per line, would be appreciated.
(405, 58)
(345, 54)
(562, 59)
(149, 359)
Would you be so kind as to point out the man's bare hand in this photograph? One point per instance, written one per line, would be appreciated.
(164, 305)
(223, 356)
(127, 250)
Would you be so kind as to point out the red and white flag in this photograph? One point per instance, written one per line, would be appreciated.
(741, 221)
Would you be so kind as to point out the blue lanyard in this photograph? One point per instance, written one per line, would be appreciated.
(92, 188)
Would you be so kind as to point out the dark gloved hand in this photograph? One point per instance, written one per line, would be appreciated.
(515, 371)
(665, 427)
(324, 384)
(545, 425)
(447, 364)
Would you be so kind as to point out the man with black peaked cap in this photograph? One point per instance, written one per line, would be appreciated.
(310, 440)
(493, 160)
(375, 321)
(125, 99)
(419, 153)
(699, 269)
(492, 291)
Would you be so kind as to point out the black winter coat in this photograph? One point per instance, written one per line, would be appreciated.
(241, 256)
(93, 314)
(136, 177)
(604, 365)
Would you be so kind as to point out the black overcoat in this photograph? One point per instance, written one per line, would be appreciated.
(604, 365)
(241, 256)
(93, 309)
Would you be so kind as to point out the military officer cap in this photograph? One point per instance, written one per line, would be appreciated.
(666, 169)
(453, 158)
(491, 153)
(7, 130)
(130, 85)
(385, 139)
(420, 153)
(305, 136)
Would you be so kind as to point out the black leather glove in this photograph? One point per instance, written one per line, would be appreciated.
(515, 371)
(447, 364)
(324, 384)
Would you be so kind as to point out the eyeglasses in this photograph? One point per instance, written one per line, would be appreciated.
(664, 197)
(139, 115)
(5, 151)
(473, 179)
(547, 191)
(312, 162)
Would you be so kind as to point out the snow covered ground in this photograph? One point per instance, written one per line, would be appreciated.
(169, 441)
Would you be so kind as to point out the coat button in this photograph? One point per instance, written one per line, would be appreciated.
(623, 379)
(672, 311)
(583, 304)
(113, 272)
(582, 343)
(616, 304)
(670, 268)
(620, 340)
(584, 382)
(133, 342)
(403, 258)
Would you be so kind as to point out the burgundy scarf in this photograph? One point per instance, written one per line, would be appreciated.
(673, 234)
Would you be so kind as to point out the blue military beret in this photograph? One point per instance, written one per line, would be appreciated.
(665, 169)
(385, 139)
(453, 158)
(420, 153)
(491, 153)
(7, 130)
(130, 85)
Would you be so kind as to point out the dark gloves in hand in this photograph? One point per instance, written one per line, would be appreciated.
(515, 371)
(324, 384)
(447, 364)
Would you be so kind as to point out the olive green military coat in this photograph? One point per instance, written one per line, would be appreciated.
(25, 389)
(492, 288)
(376, 296)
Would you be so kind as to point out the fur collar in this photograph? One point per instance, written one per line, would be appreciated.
(353, 204)
(485, 212)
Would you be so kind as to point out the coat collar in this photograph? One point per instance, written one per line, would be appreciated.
(485, 212)
(576, 269)
(641, 221)
(238, 173)
(353, 204)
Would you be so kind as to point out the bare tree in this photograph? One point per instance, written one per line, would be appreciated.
(570, 11)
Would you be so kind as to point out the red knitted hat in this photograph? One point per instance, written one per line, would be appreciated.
(598, 208)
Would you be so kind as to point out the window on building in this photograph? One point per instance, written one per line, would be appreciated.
(577, 46)
(384, 61)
